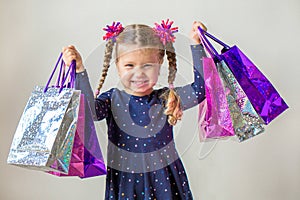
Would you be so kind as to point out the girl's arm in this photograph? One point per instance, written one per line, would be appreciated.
(100, 107)
(82, 83)
(194, 93)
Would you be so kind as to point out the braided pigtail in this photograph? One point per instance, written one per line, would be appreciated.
(106, 64)
(173, 108)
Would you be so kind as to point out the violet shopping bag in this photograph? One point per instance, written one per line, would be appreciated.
(246, 122)
(214, 115)
(45, 133)
(263, 96)
(86, 160)
(93, 159)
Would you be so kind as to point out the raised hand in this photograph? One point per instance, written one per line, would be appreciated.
(70, 53)
(194, 32)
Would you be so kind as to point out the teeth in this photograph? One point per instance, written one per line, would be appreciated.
(139, 81)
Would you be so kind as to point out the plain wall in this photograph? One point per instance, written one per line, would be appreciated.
(266, 167)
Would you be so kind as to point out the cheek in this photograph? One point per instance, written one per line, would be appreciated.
(155, 74)
(124, 75)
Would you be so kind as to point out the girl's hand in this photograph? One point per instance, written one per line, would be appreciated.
(69, 54)
(194, 32)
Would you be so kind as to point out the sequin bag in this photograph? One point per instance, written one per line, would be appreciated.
(246, 122)
(214, 115)
(263, 96)
(45, 134)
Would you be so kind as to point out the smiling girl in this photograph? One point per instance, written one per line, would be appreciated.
(142, 160)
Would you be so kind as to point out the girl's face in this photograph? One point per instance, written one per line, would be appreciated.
(139, 70)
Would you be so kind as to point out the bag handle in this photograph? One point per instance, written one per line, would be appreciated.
(217, 40)
(70, 74)
(209, 47)
(61, 77)
(61, 73)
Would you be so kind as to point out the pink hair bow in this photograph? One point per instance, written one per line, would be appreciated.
(165, 31)
(112, 31)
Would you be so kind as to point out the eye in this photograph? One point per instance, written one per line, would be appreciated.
(148, 65)
(128, 65)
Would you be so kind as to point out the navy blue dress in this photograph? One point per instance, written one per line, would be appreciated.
(142, 161)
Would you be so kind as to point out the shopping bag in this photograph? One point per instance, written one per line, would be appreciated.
(263, 96)
(214, 114)
(246, 122)
(76, 166)
(86, 160)
(93, 159)
(45, 134)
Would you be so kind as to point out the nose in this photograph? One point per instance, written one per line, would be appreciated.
(139, 71)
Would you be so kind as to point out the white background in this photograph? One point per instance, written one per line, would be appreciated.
(266, 167)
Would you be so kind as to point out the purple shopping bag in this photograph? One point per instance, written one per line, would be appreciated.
(214, 114)
(263, 96)
(93, 159)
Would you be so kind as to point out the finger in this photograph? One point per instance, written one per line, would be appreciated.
(64, 49)
(202, 26)
(71, 57)
(68, 56)
(69, 52)
(72, 51)
(198, 23)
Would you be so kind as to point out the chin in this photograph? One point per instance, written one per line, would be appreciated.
(140, 92)
(143, 91)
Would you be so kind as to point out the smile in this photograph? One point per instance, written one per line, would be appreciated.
(139, 83)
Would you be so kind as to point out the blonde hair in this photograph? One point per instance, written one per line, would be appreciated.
(143, 36)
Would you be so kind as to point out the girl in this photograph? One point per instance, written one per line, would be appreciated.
(142, 161)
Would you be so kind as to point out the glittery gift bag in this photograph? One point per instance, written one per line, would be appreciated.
(76, 166)
(263, 96)
(86, 160)
(246, 122)
(45, 133)
(214, 114)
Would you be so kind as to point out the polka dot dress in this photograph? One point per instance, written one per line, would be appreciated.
(142, 160)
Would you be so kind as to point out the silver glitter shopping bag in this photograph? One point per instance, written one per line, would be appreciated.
(246, 122)
(45, 134)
